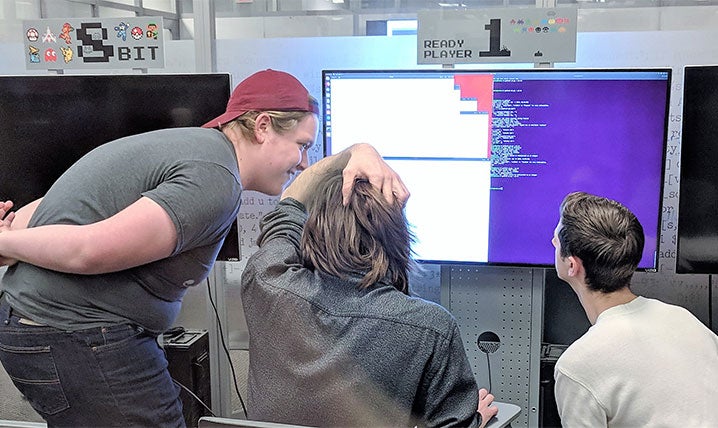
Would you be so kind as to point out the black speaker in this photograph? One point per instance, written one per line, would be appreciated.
(188, 358)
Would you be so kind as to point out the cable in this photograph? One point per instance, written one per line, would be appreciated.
(189, 391)
(710, 302)
(224, 346)
(488, 363)
(176, 382)
(488, 342)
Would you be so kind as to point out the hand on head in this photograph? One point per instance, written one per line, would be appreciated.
(366, 163)
(486, 409)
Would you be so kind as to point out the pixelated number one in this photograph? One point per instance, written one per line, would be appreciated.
(495, 49)
(85, 35)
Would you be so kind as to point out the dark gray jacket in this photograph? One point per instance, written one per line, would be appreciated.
(325, 353)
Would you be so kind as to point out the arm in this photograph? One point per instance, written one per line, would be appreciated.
(357, 161)
(23, 215)
(451, 396)
(304, 183)
(10, 220)
(577, 406)
(139, 234)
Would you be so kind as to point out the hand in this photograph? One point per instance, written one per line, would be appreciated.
(5, 261)
(366, 163)
(6, 216)
(486, 410)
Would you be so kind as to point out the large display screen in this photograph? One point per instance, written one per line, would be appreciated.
(488, 155)
(49, 122)
(697, 245)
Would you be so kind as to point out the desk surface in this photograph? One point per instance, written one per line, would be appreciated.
(507, 413)
(6, 423)
(217, 422)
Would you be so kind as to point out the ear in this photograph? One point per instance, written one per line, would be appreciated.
(575, 266)
(262, 126)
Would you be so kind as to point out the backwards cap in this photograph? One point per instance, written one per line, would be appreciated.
(266, 90)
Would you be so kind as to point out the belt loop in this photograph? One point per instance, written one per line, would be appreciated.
(3, 301)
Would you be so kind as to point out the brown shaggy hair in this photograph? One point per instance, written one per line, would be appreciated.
(368, 236)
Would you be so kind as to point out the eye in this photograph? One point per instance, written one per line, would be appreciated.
(305, 146)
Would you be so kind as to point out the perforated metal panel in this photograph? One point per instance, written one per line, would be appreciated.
(508, 302)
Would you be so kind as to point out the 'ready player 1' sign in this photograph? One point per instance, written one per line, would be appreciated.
(56, 44)
(502, 35)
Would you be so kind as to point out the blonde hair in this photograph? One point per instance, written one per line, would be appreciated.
(281, 121)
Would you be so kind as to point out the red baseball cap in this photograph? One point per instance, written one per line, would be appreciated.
(266, 90)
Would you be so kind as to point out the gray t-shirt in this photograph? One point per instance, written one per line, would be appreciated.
(191, 172)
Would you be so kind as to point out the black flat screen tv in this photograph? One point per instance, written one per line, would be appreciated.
(697, 235)
(49, 122)
(488, 155)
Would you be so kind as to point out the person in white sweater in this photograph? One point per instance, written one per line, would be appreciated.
(643, 362)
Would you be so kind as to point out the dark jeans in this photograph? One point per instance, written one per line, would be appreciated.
(109, 376)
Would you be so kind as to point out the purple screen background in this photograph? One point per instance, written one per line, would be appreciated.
(605, 137)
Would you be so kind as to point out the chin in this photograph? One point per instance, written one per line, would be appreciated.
(268, 190)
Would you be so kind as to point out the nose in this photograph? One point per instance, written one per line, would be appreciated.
(304, 162)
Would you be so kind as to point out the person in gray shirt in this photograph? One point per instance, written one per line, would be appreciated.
(98, 267)
(334, 337)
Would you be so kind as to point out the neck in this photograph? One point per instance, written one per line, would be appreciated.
(238, 142)
(595, 302)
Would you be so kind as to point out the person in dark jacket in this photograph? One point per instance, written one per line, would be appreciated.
(335, 337)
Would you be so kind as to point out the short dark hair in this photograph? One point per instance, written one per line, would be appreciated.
(605, 235)
(368, 236)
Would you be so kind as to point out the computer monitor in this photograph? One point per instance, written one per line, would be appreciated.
(697, 235)
(488, 155)
(49, 122)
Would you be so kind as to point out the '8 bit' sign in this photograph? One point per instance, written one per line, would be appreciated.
(133, 42)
